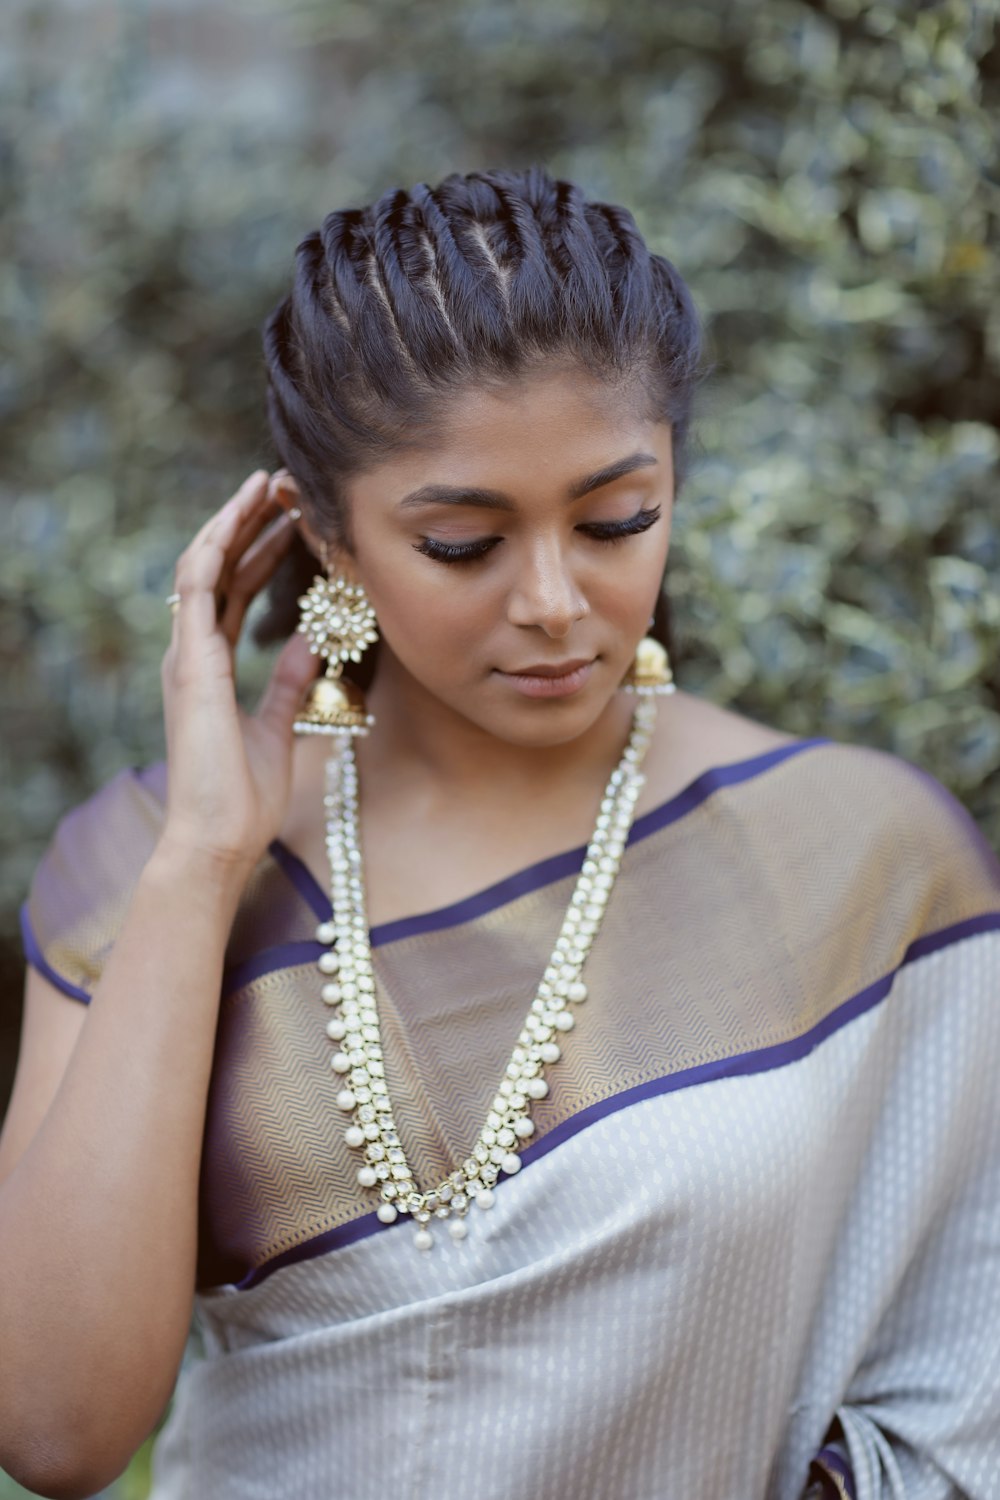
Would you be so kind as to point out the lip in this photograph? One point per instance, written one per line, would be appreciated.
(550, 669)
(551, 680)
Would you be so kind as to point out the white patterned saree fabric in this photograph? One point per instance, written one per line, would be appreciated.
(753, 1252)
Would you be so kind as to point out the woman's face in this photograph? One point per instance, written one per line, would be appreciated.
(473, 591)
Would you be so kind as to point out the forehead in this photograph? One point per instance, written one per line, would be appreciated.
(543, 430)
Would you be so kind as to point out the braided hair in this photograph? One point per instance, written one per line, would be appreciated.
(489, 276)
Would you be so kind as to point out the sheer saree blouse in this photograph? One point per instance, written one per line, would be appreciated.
(753, 1252)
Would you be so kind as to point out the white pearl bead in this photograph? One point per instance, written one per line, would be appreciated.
(340, 1062)
(561, 982)
(346, 1099)
(329, 963)
(354, 1136)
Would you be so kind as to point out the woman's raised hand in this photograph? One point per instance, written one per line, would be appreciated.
(229, 772)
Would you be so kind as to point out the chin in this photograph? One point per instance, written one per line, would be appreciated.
(542, 724)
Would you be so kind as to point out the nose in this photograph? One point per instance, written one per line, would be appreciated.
(545, 594)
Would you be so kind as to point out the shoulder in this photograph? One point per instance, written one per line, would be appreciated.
(86, 873)
(841, 815)
(113, 829)
(694, 736)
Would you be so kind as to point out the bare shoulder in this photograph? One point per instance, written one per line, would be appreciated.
(694, 735)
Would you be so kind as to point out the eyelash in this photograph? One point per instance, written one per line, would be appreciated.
(600, 531)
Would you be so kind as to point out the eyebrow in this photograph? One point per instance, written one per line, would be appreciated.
(449, 494)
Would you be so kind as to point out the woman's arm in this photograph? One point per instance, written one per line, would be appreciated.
(101, 1157)
(98, 1211)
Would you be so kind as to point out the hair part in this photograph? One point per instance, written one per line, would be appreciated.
(487, 278)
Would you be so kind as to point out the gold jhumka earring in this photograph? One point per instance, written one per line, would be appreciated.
(340, 623)
(650, 670)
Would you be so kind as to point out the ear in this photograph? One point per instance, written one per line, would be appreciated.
(287, 493)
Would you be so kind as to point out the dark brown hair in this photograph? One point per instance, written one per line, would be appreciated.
(486, 277)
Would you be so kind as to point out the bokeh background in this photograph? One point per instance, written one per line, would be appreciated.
(825, 175)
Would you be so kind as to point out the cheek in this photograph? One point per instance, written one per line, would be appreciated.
(622, 589)
(430, 612)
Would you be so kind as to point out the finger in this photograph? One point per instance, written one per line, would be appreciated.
(252, 573)
(254, 484)
(225, 520)
(256, 515)
(262, 501)
(292, 673)
(201, 564)
(197, 580)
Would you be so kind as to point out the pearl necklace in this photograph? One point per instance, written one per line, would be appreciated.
(349, 985)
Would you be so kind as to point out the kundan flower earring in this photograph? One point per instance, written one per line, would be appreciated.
(340, 623)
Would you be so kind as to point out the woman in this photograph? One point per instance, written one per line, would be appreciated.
(728, 1226)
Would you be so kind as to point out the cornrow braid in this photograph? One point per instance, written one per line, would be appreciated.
(485, 277)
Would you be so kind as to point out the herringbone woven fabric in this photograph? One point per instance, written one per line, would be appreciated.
(760, 1214)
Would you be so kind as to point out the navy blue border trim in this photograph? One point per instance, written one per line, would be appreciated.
(545, 871)
(532, 878)
(37, 959)
(827, 1463)
(762, 1060)
(284, 956)
(301, 877)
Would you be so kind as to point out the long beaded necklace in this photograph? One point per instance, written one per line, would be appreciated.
(349, 987)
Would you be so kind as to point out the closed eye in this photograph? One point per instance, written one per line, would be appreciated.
(613, 531)
(599, 531)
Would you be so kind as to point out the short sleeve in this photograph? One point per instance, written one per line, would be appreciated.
(83, 883)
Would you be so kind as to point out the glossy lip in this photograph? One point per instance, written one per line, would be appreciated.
(557, 669)
(548, 684)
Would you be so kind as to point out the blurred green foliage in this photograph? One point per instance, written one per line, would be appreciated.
(824, 175)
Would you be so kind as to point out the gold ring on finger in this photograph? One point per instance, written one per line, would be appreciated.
(174, 601)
